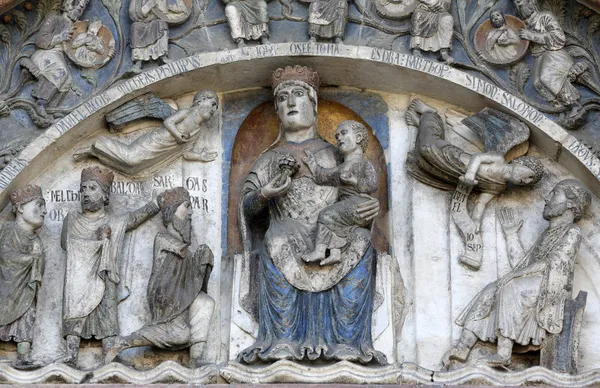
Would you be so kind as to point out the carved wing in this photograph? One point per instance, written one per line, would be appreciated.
(147, 106)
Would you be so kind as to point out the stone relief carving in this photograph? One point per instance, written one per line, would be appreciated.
(438, 163)
(527, 305)
(432, 28)
(179, 135)
(248, 20)
(289, 289)
(150, 28)
(92, 46)
(327, 20)
(93, 240)
(21, 269)
(498, 42)
(48, 63)
(181, 310)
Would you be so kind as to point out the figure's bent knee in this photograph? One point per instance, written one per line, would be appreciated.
(231, 11)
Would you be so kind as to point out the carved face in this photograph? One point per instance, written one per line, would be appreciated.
(497, 19)
(521, 175)
(182, 221)
(347, 139)
(92, 196)
(556, 203)
(294, 108)
(74, 8)
(206, 107)
(33, 212)
(526, 8)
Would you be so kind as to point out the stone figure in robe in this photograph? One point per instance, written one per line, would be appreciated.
(502, 41)
(555, 69)
(327, 20)
(278, 214)
(527, 304)
(149, 34)
(179, 135)
(181, 310)
(355, 177)
(439, 163)
(93, 239)
(432, 28)
(21, 270)
(89, 46)
(248, 20)
(48, 63)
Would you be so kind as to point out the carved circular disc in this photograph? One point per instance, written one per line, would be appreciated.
(486, 27)
(84, 57)
(172, 17)
(395, 9)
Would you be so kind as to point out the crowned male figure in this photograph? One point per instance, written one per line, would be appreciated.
(93, 239)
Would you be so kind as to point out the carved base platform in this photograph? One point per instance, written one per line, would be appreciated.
(167, 372)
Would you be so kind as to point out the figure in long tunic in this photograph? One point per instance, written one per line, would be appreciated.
(327, 20)
(432, 28)
(356, 178)
(178, 135)
(181, 310)
(48, 63)
(21, 270)
(290, 290)
(527, 303)
(555, 69)
(93, 240)
(248, 20)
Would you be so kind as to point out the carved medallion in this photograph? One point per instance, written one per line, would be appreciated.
(92, 44)
(495, 44)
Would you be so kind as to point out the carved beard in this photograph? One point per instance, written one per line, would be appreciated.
(92, 206)
(554, 211)
(183, 226)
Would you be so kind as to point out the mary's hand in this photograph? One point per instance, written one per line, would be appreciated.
(273, 190)
(369, 209)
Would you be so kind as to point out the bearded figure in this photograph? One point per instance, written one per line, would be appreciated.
(181, 310)
(93, 239)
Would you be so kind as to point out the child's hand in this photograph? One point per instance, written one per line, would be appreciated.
(348, 179)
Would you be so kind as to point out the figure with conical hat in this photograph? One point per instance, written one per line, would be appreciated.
(21, 270)
(181, 310)
(93, 239)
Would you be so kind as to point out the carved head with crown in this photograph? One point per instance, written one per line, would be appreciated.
(295, 90)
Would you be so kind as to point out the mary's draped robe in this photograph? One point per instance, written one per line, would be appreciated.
(305, 311)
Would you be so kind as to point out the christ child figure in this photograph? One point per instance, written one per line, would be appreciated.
(356, 178)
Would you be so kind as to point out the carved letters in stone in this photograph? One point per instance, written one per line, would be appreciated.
(93, 240)
(527, 305)
(438, 163)
(180, 308)
(179, 135)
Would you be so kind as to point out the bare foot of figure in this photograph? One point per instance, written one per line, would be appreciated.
(82, 153)
(415, 110)
(417, 53)
(456, 354)
(446, 57)
(335, 256)
(202, 156)
(317, 255)
(495, 360)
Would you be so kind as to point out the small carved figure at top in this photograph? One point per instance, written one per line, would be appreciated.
(149, 33)
(555, 69)
(181, 310)
(92, 46)
(438, 163)
(48, 64)
(356, 178)
(248, 20)
(21, 270)
(432, 28)
(527, 304)
(93, 240)
(327, 19)
(179, 135)
(497, 40)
